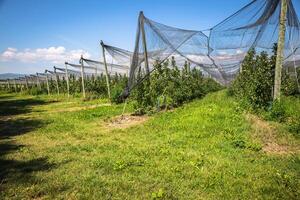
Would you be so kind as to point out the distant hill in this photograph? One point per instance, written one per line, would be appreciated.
(10, 75)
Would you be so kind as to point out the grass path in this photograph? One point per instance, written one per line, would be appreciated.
(207, 149)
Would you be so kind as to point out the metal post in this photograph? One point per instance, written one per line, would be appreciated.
(67, 76)
(279, 58)
(82, 76)
(106, 71)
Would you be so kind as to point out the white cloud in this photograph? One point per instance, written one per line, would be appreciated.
(52, 54)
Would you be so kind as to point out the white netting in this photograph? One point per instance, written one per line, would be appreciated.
(221, 53)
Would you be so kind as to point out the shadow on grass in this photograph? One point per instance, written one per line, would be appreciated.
(19, 174)
(16, 171)
(15, 127)
(20, 171)
(18, 106)
(5, 97)
(12, 126)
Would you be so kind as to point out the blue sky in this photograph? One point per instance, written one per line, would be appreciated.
(37, 34)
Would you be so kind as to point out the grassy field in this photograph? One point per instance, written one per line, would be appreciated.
(207, 149)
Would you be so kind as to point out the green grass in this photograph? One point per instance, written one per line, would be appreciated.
(203, 150)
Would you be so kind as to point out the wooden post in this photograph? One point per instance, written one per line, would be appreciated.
(35, 80)
(82, 77)
(281, 41)
(26, 82)
(96, 70)
(8, 84)
(15, 85)
(38, 81)
(21, 85)
(141, 21)
(47, 82)
(106, 71)
(67, 76)
(56, 80)
(295, 71)
(188, 67)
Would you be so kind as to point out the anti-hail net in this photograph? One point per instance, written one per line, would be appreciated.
(87, 71)
(111, 68)
(96, 68)
(117, 60)
(115, 55)
(54, 74)
(69, 72)
(221, 53)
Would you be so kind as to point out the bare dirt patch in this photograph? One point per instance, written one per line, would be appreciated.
(126, 121)
(265, 132)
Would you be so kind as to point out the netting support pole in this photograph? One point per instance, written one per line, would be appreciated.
(21, 86)
(82, 76)
(56, 80)
(67, 77)
(8, 84)
(296, 76)
(106, 71)
(35, 81)
(15, 85)
(141, 19)
(279, 58)
(26, 82)
(47, 82)
(48, 89)
(295, 68)
(96, 71)
(38, 81)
